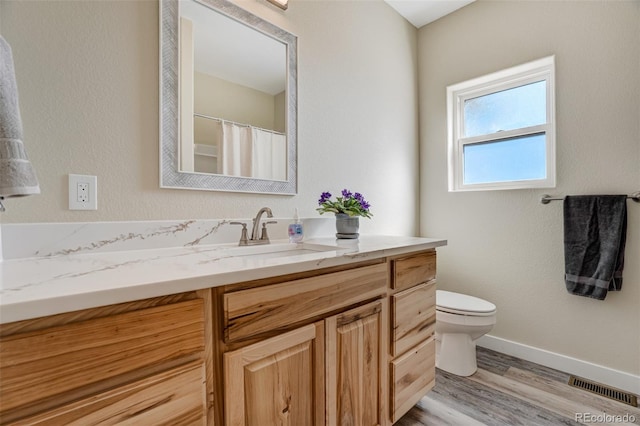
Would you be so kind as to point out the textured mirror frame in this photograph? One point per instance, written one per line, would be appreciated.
(170, 174)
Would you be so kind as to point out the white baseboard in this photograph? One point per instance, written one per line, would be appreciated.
(587, 370)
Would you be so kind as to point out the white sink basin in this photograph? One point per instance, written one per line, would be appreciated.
(273, 250)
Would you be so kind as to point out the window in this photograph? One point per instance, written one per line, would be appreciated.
(502, 129)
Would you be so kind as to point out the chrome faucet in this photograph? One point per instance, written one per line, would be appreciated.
(264, 237)
(256, 223)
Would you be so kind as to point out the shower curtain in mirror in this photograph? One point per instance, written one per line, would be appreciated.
(252, 152)
(269, 155)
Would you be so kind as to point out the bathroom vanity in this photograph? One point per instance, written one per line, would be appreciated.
(329, 337)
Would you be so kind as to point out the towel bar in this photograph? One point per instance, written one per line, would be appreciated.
(546, 198)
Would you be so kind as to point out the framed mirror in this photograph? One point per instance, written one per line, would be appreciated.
(228, 100)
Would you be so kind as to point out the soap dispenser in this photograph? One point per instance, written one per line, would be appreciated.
(295, 229)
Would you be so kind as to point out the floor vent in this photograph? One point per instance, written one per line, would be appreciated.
(602, 390)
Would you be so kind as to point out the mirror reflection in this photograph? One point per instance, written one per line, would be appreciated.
(228, 99)
(233, 97)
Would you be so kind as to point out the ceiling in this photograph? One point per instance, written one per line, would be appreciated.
(422, 12)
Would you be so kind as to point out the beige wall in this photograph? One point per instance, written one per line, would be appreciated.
(221, 98)
(504, 245)
(88, 78)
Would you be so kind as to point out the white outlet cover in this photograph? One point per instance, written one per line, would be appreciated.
(91, 198)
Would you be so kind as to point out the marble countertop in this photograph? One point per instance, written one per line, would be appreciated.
(40, 286)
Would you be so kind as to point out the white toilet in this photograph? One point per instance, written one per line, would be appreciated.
(460, 321)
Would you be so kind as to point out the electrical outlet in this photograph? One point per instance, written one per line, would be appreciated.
(83, 192)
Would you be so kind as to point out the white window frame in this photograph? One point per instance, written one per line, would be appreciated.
(531, 72)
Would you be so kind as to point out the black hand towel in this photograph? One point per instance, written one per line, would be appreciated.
(595, 230)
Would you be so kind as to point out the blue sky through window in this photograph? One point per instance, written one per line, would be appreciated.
(522, 158)
(519, 158)
(515, 108)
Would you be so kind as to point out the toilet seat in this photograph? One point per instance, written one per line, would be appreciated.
(462, 304)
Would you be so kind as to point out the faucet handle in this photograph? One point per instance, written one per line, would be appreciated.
(264, 235)
(244, 240)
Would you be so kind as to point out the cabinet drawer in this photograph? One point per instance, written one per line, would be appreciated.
(413, 316)
(276, 307)
(53, 361)
(411, 270)
(174, 397)
(412, 376)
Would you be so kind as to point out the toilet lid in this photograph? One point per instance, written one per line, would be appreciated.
(449, 301)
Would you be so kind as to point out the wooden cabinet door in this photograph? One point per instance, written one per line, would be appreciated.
(356, 366)
(279, 381)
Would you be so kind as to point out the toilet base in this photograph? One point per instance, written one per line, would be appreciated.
(456, 353)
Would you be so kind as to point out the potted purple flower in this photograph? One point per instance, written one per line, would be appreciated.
(348, 208)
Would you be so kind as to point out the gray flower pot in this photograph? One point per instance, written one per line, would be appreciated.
(346, 226)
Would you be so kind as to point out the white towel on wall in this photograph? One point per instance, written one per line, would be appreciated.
(17, 176)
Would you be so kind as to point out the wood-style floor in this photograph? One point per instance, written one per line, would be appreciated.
(507, 391)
